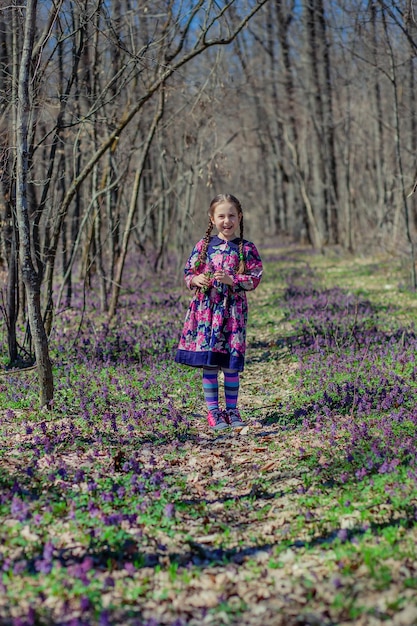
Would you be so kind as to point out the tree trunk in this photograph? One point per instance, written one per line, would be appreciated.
(12, 300)
(8, 251)
(31, 277)
(403, 201)
(379, 155)
(316, 156)
(99, 263)
(331, 191)
(299, 226)
(412, 96)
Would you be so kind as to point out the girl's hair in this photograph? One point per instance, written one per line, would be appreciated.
(223, 197)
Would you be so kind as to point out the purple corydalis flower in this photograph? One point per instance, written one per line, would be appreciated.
(19, 509)
(43, 566)
(104, 619)
(19, 567)
(130, 568)
(169, 510)
(87, 564)
(79, 476)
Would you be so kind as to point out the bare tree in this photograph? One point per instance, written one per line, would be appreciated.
(32, 276)
(403, 204)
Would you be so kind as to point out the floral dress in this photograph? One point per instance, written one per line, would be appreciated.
(214, 332)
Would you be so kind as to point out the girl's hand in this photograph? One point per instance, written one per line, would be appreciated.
(201, 280)
(222, 277)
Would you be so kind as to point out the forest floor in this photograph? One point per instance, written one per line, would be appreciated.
(121, 506)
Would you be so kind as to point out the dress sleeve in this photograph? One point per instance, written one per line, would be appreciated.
(254, 269)
(189, 271)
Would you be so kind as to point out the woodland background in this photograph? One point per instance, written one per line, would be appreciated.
(121, 120)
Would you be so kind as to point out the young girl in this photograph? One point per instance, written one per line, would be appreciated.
(221, 269)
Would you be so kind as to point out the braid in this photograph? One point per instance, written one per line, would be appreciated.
(242, 265)
(203, 252)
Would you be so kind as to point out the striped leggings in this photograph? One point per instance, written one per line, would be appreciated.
(211, 387)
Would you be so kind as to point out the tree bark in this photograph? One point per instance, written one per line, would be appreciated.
(331, 191)
(31, 276)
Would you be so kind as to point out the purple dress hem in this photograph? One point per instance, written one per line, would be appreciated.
(210, 359)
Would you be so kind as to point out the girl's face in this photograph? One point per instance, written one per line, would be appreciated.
(226, 219)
